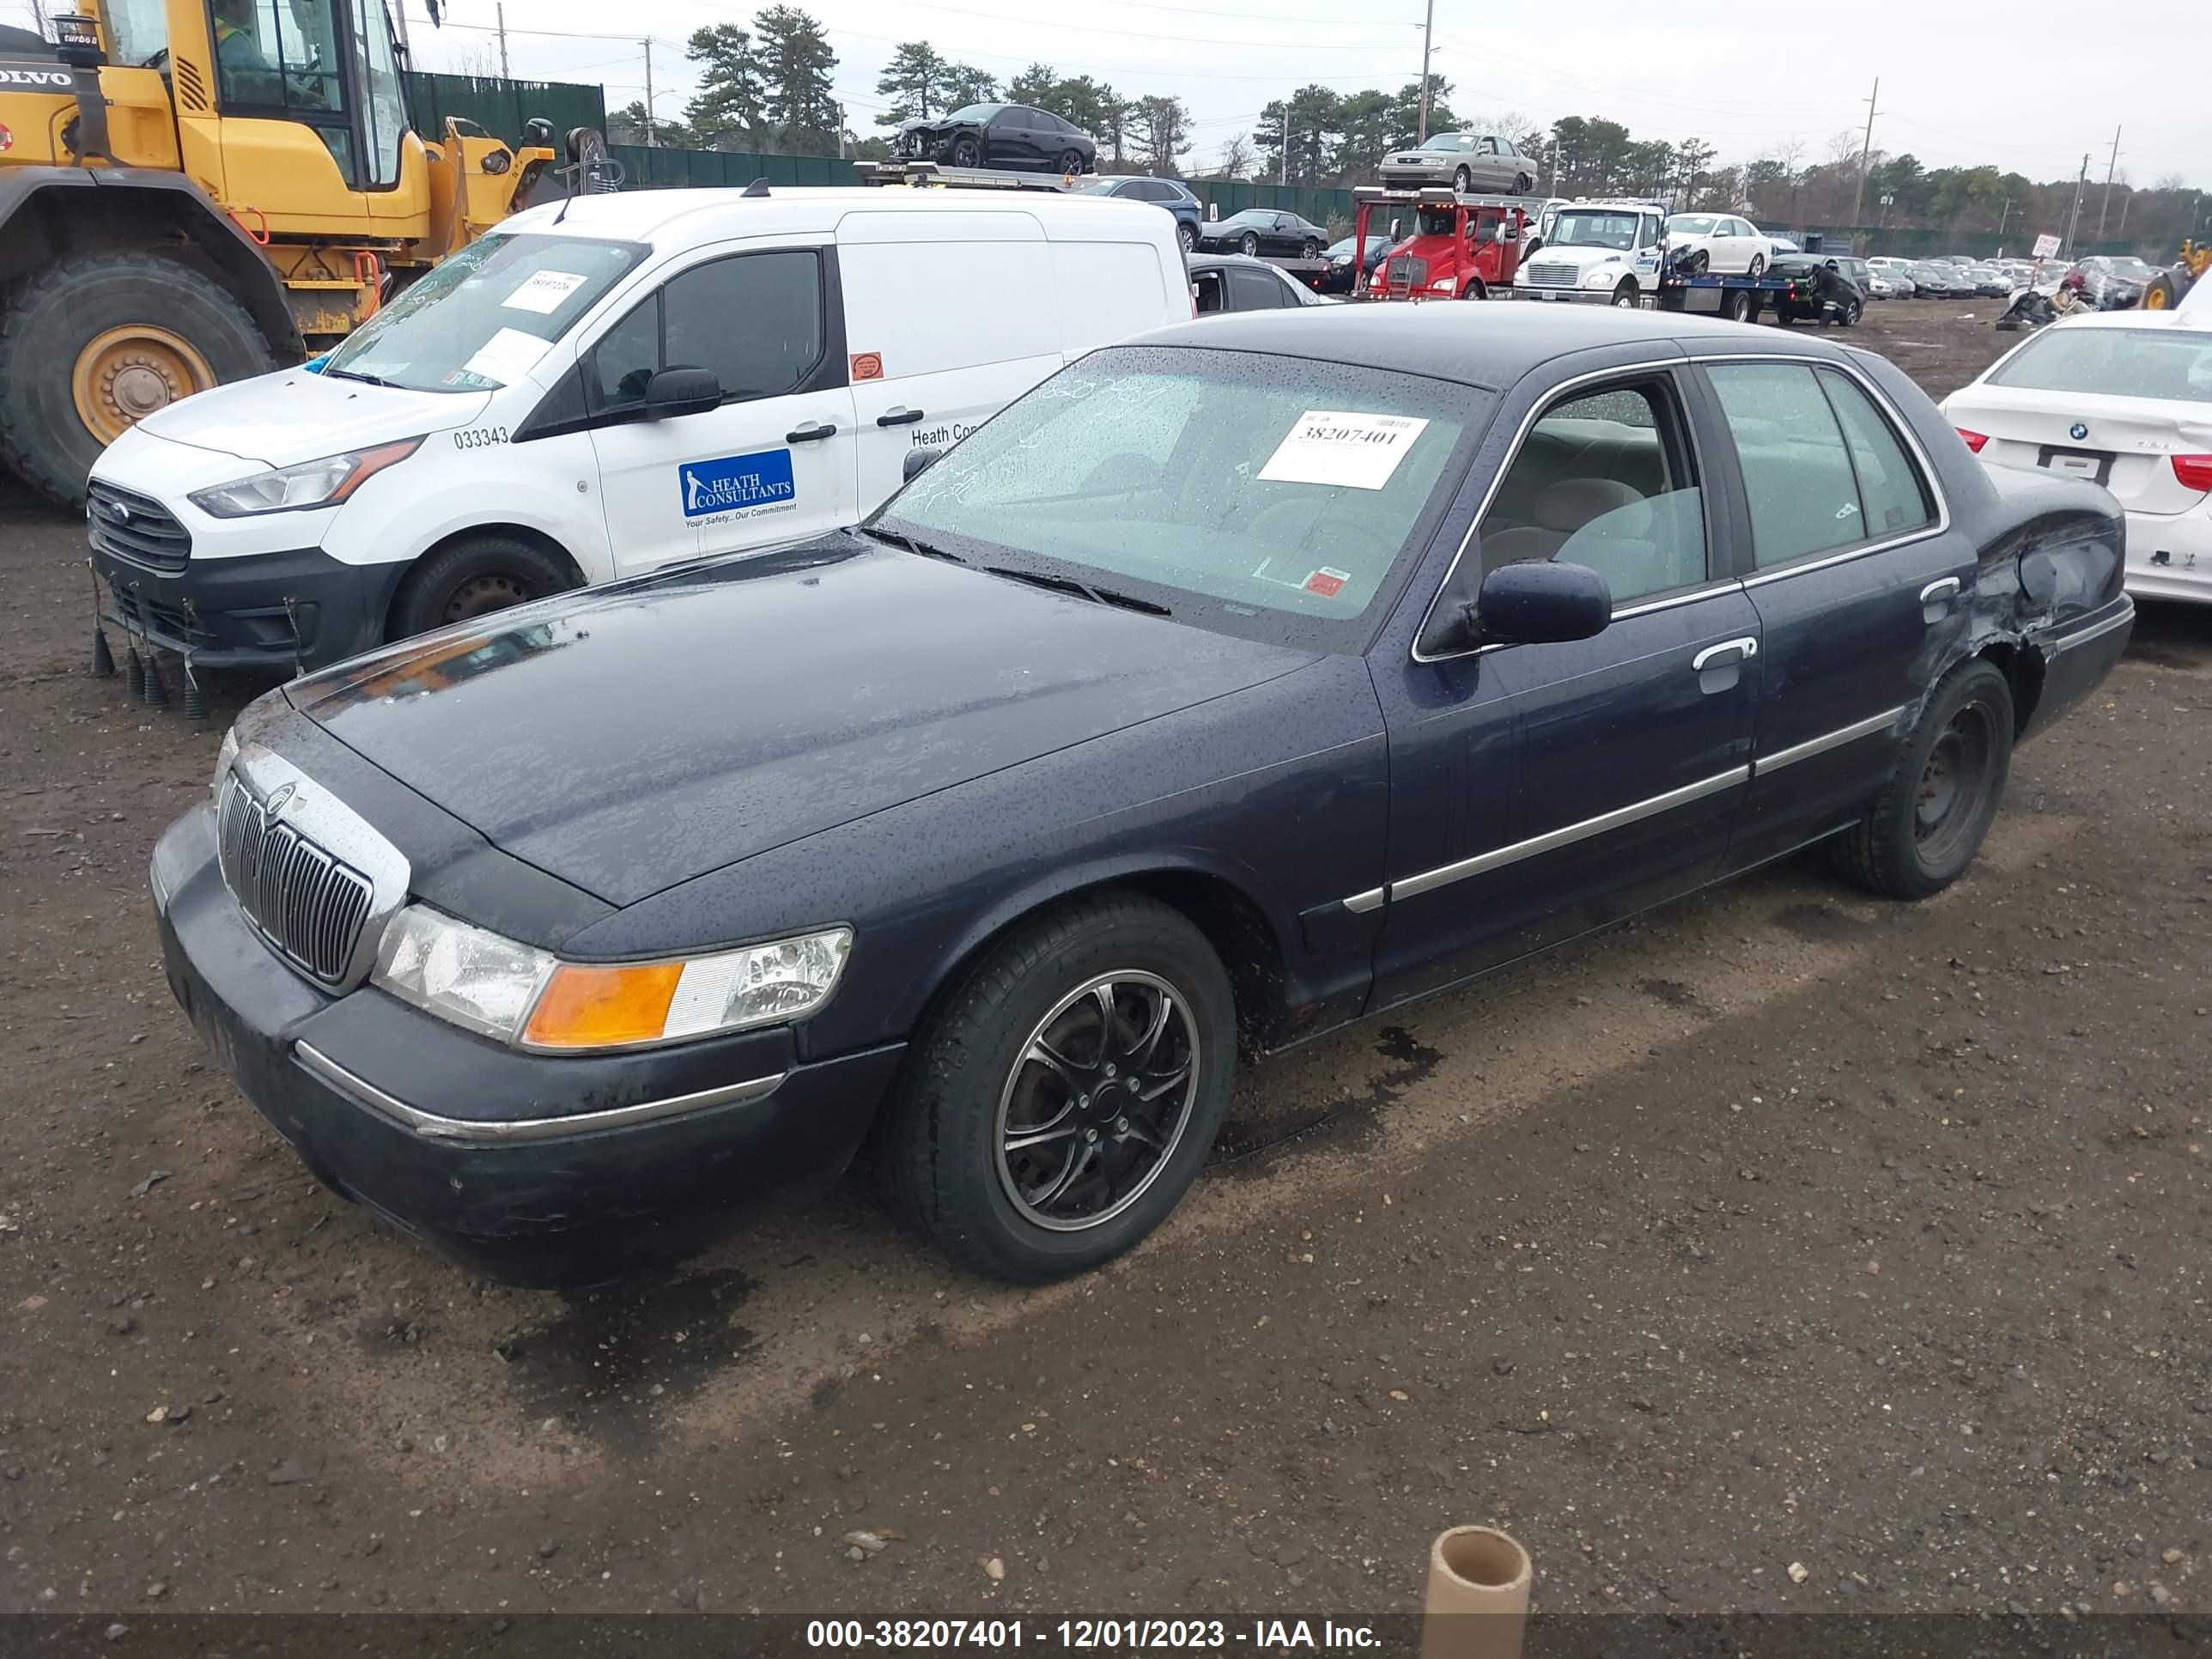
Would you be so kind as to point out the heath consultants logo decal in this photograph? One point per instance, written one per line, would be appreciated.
(738, 487)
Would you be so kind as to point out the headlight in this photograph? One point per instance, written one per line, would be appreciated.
(224, 756)
(1445, 284)
(1603, 276)
(528, 997)
(311, 483)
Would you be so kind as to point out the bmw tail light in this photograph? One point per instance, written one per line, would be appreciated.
(1974, 440)
(2195, 472)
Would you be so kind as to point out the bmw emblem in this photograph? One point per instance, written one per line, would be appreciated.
(281, 796)
(2078, 431)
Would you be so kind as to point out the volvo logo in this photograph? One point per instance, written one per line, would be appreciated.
(281, 796)
(2078, 431)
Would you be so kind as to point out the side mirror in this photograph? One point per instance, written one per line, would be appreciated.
(917, 462)
(1538, 601)
(680, 391)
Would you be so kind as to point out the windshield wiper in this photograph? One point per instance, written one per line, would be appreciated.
(356, 374)
(1081, 590)
(926, 549)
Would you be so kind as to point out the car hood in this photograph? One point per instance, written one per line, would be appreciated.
(291, 416)
(929, 123)
(630, 737)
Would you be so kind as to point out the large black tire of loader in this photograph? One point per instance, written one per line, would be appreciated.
(51, 317)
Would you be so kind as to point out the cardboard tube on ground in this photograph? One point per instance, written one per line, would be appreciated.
(1477, 1596)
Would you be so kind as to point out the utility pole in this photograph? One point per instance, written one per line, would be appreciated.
(1428, 30)
(2073, 219)
(499, 15)
(2004, 219)
(2112, 167)
(650, 141)
(1283, 168)
(398, 25)
(1866, 149)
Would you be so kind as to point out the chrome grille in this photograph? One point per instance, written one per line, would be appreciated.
(303, 901)
(135, 527)
(1404, 273)
(1553, 274)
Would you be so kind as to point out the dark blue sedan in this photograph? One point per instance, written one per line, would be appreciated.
(1257, 675)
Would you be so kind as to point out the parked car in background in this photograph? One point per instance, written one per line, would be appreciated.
(1989, 280)
(1731, 245)
(1879, 285)
(1000, 136)
(985, 834)
(1264, 230)
(1346, 263)
(1937, 280)
(1230, 282)
(1540, 231)
(1899, 272)
(1171, 193)
(1782, 241)
(1468, 161)
(2124, 399)
(598, 387)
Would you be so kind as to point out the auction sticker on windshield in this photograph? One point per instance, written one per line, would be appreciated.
(1331, 446)
(507, 356)
(542, 291)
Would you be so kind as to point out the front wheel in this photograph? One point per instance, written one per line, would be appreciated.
(1461, 180)
(2163, 294)
(1624, 297)
(1248, 246)
(471, 578)
(967, 153)
(1944, 792)
(1186, 235)
(1064, 1096)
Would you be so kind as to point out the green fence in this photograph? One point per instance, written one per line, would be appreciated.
(1914, 242)
(500, 107)
(646, 167)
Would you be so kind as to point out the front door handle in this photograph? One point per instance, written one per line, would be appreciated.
(900, 417)
(807, 434)
(1935, 599)
(1743, 649)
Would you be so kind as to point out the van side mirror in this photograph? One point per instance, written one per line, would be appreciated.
(681, 391)
(1540, 602)
(917, 461)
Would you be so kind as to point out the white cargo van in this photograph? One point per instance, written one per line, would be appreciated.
(600, 387)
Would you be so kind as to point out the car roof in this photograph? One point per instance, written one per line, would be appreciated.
(1193, 260)
(2188, 323)
(690, 217)
(1489, 345)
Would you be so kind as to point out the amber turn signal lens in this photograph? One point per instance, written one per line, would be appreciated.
(589, 1007)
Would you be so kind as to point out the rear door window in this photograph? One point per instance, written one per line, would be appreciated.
(1254, 290)
(1813, 488)
(1893, 497)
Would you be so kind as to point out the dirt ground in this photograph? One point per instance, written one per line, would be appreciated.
(1784, 1250)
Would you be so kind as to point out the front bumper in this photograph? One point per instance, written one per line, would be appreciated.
(2169, 555)
(286, 611)
(1586, 296)
(536, 1170)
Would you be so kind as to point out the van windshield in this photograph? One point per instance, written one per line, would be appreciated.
(1276, 498)
(486, 315)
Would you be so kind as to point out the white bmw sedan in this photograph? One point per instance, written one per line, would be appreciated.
(2123, 398)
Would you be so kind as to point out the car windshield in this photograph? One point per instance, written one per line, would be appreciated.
(1099, 187)
(2174, 365)
(1270, 497)
(1691, 224)
(485, 316)
(1596, 227)
(977, 113)
(1451, 141)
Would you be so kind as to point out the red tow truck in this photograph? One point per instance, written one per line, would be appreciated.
(1463, 247)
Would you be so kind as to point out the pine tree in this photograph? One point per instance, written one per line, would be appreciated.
(912, 80)
(729, 103)
(796, 65)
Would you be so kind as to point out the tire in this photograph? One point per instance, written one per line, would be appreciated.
(1739, 307)
(1475, 289)
(1310, 249)
(1624, 296)
(1463, 181)
(1849, 317)
(2162, 293)
(1783, 315)
(90, 346)
(474, 577)
(1955, 761)
(966, 152)
(1186, 236)
(1757, 268)
(1248, 246)
(1070, 161)
(974, 1069)
(1523, 184)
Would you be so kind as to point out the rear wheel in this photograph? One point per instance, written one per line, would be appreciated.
(1070, 161)
(2162, 293)
(1848, 316)
(1758, 266)
(966, 152)
(1186, 235)
(1739, 307)
(1063, 1098)
(1523, 184)
(1943, 794)
(472, 578)
(1310, 249)
(91, 346)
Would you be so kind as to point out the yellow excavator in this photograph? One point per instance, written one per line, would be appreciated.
(197, 190)
(2166, 288)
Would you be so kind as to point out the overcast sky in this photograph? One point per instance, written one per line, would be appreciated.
(2028, 85)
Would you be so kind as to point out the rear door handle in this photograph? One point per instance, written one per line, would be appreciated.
(807, 434)
(899, 417)
(1744, 650)
(1936, 598)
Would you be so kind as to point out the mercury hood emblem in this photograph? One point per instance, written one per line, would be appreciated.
(281, 796)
